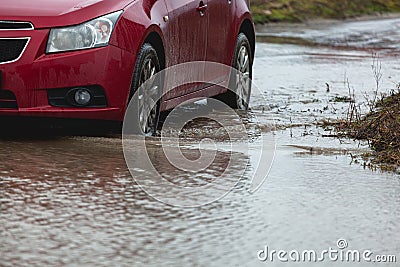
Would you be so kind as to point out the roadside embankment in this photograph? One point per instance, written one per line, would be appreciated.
(265, 11)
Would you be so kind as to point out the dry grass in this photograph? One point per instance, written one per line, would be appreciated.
(380, 127)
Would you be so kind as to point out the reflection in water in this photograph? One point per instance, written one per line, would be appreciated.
(70, 200)
(60, 206)
(207, 175)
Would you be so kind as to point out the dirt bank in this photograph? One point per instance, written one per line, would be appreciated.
(265, 11)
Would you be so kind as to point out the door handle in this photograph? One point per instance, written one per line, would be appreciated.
(202, 8)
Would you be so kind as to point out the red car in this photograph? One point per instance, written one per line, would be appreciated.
(85, 58)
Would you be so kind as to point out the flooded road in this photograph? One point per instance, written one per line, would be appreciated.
(70, 200)
(296, 76)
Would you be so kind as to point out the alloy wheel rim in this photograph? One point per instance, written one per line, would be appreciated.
(148, 93)
(243, 78)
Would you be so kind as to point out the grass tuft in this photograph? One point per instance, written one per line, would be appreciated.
(381, 128)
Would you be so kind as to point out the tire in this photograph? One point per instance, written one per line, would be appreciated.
(146, 97)
(241, 77)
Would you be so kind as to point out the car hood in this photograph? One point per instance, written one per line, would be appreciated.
(56, 13)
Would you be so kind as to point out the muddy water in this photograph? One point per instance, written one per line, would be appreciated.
(70, 200)
(295, 77)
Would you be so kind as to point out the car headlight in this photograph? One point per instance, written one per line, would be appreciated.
(94, 33)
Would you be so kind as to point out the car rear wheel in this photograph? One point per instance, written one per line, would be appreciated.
(240, 81)
(146, 88)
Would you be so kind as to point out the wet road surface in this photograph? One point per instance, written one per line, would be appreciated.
(70, 200)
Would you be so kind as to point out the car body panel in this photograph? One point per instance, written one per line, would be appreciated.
(186, 26)
(30, 78)
(221, 15)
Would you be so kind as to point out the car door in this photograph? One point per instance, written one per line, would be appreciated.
(186, 32)
(220, 37)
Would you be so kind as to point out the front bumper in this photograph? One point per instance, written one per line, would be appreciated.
(35, 73)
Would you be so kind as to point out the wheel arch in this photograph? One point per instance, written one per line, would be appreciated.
(155, 40)
(247, 28)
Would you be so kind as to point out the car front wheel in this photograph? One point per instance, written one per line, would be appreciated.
(240, 81)
(146, 88)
